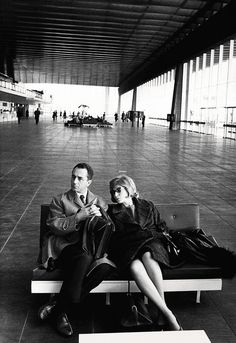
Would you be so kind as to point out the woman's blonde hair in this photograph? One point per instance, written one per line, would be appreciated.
(126, 182)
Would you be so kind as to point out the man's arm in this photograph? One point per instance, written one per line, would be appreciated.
(62, 224)
(59, 222)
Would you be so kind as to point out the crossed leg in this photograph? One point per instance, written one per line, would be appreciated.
(148, 276)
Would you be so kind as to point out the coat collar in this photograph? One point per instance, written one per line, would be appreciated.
(72, 196)
(142, 210)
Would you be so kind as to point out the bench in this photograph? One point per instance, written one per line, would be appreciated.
(189, 277)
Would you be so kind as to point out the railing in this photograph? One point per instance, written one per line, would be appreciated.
(230, 131)
(193, 122)
(15, 88)
(163, 121)
(20, 90)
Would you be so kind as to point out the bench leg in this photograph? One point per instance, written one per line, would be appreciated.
(108, 299)
(198, 297)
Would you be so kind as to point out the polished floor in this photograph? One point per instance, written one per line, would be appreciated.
(168, 167)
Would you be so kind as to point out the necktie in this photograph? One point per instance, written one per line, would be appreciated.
(82, 199)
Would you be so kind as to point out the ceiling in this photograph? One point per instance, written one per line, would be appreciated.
(117, 43)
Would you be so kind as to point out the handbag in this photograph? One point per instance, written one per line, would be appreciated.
(136, 314)
(174, 251)
(196, 246)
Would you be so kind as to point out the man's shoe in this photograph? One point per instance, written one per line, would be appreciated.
(45, 310)
(63, 325)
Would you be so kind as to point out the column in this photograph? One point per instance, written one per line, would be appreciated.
(177, 98)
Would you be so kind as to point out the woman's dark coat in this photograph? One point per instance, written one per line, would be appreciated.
(133, 233)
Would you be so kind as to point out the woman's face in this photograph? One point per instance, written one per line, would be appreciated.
(120, 195)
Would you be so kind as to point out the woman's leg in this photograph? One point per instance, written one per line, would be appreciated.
(154, 271)
(146, 285)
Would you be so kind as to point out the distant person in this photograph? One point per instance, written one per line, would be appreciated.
(143, 120)
(19, 113)
(54, 115)
(64, 115)
(131, 117)
(123, 116)
(36, 116)
(104, 116)
(27, 114)
(116, 117)
(138, 118)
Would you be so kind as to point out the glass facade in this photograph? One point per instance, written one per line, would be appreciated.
(208, 94)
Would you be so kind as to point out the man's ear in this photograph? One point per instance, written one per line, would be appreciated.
(89, 182)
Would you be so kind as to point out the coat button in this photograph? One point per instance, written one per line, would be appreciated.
(174, 216)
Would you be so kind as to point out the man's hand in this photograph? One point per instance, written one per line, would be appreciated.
(94, 211)
(88, 211)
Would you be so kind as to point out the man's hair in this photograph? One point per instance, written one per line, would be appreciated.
(85, 166)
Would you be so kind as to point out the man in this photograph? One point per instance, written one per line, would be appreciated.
(19, 113)
(70, 243)
(36, 116)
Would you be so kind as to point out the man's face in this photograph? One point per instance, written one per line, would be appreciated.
(79, 180)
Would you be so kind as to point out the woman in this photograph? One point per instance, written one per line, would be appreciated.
(137, 245)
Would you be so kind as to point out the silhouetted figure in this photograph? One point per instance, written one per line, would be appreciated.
(19, 113)
(36, 116)
(54, 115)
(123, 116)
(143, 120)
(131, 117)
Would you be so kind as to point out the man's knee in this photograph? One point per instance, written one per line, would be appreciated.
(83, 260)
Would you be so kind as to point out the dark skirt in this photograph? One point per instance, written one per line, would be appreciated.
(156, 246)
(158, 251)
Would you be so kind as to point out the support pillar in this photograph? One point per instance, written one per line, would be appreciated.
(119, 103)
(134, 100)
(133, 106)
(177, 99)
(107, 98)
(186, 111)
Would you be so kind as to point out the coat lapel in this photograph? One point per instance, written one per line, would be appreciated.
(90, 197)
(142, 212)
(72, 196)
(121, 213)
